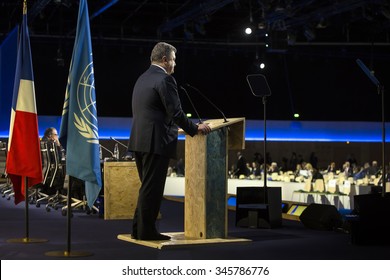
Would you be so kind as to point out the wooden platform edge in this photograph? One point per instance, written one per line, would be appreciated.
(178, 240)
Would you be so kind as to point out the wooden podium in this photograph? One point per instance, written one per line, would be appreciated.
(206, 168)
(121, 186)
(205, 187)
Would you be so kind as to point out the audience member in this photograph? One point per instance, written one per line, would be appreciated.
(347, 170)
(241, 168)
(332, 168)
(374, 169)
(273, 168)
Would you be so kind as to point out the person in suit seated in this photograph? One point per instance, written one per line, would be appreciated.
(347, 169)
(256, 172)
(273, 168)
(157, 114)
(374, 169)
(363, 172)
(50, 136)
(331, 168)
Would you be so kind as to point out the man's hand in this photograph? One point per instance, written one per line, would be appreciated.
(204, 129)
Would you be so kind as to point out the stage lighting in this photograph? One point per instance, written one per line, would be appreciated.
(248, 30)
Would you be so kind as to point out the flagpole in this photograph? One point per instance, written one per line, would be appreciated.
(68, 253)
(27, 238)
(81, 69)
(13, 163)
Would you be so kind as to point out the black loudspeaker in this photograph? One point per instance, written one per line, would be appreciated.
(321, 217)
(253, 210)
(371, 222)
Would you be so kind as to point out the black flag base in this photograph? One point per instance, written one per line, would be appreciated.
(27, 240)
(68, 254)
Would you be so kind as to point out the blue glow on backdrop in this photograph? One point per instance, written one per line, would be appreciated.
(294, 131)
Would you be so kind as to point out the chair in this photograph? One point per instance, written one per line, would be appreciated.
(79, 201)
(345, 190)
(6, 185)
(53, 176)
(318, 189)
(307, 189)
(38, 193)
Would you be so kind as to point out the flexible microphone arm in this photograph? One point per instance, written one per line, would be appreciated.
(118, 142)
(369, 74)
(104, 148)
(192, 104)
(208, 100)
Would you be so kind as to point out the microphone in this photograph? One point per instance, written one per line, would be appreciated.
(104, 148)
(208, 100)
(192, 104)
(120, 143)
(368, 72)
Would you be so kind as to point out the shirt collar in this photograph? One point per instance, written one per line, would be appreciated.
(160, 67)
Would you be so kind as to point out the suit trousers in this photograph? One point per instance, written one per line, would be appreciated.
(152, 171)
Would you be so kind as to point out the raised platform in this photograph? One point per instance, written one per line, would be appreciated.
(178, 240)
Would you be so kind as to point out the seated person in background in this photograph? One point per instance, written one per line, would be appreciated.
(180, 167)
(331, 167)
(255, 173)
(310, 170)
(298, 174)
(374, 169)
(347, 169)
(51, 136)
(241, 167)
(316, 175)
(273, 168)
(55, 158)
(363, 172)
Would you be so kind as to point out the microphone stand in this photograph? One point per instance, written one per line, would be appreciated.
(209, 101)
(265, 148)
(104, 148)
(260, 88)
(120, 143)
(192, 104)
(381, 90)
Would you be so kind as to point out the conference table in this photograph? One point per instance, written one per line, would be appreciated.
(175, 186)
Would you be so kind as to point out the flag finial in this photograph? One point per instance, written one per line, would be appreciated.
(24, 7)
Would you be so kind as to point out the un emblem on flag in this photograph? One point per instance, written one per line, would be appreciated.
(86, 119)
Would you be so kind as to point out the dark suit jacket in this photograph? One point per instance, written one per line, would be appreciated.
(157, 113)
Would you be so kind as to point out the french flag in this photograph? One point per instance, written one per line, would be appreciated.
(24, 164)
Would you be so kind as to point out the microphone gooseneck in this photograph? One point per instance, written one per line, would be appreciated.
(209, 101)
(192, 104)
(120, 143)
(104, 148)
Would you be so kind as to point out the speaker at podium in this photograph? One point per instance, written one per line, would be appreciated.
(257, 209)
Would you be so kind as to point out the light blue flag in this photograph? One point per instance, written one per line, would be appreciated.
(79, 126)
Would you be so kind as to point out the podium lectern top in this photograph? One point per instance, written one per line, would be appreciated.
(236, 135)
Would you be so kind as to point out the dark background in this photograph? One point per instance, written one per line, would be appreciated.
(315, 76)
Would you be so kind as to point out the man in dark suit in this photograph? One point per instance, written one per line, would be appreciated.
(157, 113)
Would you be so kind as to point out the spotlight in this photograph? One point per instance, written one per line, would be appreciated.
(262, 65)
(248, 30)
(261, 25)
(296, 115)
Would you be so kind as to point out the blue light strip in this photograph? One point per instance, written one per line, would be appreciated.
(103, 9)
(284, 131)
